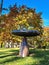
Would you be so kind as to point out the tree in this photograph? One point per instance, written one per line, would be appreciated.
(22, 18)
(29, 19)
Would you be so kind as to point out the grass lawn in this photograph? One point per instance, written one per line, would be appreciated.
(37, 57)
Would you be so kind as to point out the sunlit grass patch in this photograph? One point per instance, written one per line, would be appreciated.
(36, 57)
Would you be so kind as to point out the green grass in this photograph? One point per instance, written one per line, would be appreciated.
(37, 57)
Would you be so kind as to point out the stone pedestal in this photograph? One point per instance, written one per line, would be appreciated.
(24, 50)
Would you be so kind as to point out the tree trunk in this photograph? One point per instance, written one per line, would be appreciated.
(1, 45)
(24, 50)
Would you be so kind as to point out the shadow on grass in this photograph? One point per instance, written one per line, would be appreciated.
(2, 53)
(41, 55)
(9, 57)
(13, 50)
(5, 54)
(10, 60)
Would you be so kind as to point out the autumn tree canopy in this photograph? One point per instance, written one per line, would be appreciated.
(20, 18)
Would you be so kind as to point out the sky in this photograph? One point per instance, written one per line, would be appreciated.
(40, 5)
